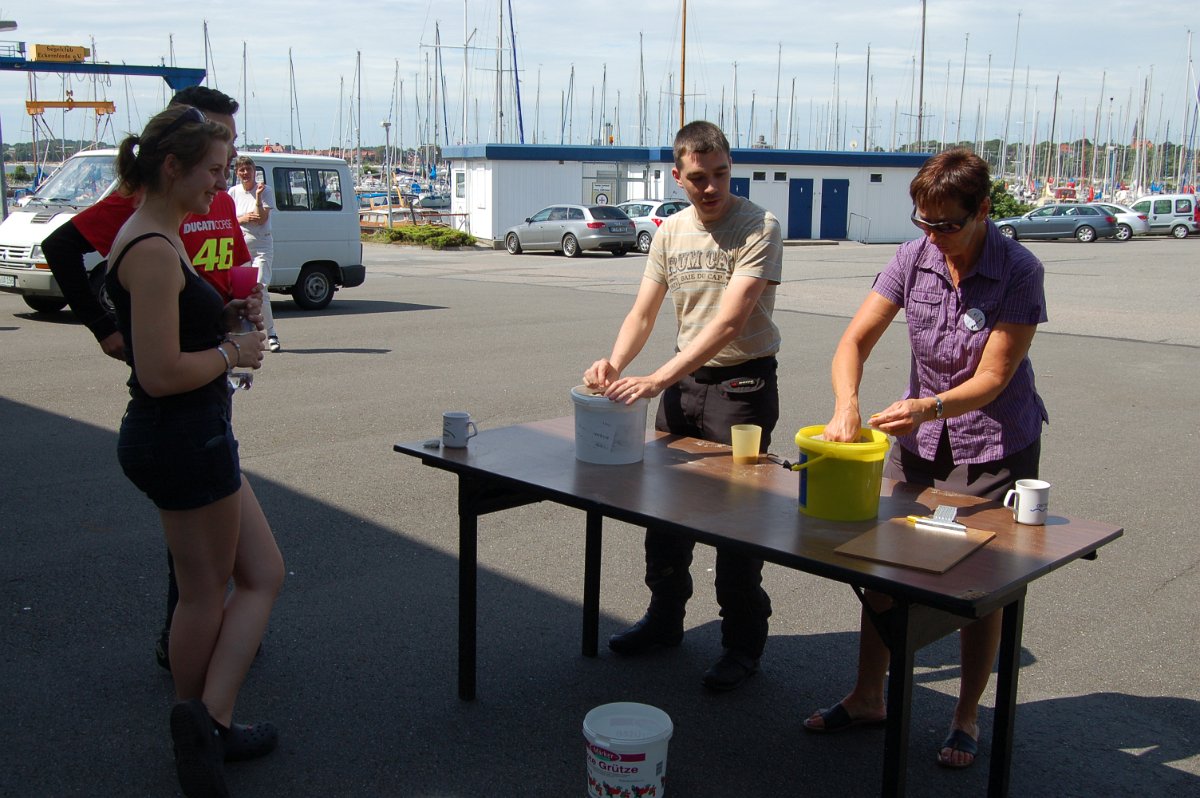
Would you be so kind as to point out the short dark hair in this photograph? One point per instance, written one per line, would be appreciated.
(206, 99)
(699, 136)
(958, 175)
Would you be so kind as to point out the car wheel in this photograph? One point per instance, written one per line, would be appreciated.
(1124, 232)
(1179, 231)
(512, 244)
(1008, 232)
(620, 252)
(1085, 234)
(570, 246)
(45, 304)
(96, 281)
(314, 290)
(643, 242)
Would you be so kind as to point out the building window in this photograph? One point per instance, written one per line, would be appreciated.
(781, 177)
(460, 184)
(760, 177)
(876, 177)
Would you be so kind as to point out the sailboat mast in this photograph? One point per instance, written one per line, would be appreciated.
(245, 100)
(1187, 112)
(500, 76)
(437, 60)
(921, 83)
(291, 103)
(1012, 79)
(358, 127)
(683, 70)
(641, 93)
(866, 103)
(961, 90)
(516, 78)
(778, 71)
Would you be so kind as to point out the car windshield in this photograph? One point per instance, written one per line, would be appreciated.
(607, 212)
(80, 181)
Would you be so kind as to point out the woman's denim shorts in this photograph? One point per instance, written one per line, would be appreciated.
(181, 454)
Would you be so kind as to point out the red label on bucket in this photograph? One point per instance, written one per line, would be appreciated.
(612, 756)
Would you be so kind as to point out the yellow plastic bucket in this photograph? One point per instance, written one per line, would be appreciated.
(840, 481)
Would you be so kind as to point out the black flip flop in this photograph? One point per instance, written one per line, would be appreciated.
(836, 719)
(958, 740)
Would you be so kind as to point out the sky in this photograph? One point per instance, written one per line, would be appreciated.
(803, 64)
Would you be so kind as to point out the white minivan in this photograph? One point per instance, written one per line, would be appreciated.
(1173, 214)
(315, 227)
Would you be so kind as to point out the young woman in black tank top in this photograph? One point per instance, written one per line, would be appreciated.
(176, 443)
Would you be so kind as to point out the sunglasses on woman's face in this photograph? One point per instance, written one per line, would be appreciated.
(944, 227)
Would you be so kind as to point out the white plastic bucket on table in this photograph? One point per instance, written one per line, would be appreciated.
(627, 750)
(608, 432)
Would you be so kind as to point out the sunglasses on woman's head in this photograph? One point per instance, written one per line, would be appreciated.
(945, 227)
(192, 115)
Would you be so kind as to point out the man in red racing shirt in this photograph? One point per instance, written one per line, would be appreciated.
(214, 243)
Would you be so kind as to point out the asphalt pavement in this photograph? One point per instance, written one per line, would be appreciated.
(358, 666)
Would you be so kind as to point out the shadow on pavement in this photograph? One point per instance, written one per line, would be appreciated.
(358, 667)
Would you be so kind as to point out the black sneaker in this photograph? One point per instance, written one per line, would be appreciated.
(273, 343)
(162, 650)
(648, 633)
(728, 672)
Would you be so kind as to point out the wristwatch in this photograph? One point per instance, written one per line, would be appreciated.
(938, 408)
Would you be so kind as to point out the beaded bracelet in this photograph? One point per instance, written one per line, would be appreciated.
(225, 357)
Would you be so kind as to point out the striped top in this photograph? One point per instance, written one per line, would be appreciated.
(695, 262)
(947, 329)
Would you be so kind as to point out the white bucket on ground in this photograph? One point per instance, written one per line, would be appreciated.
(627, 750)
(608, 432)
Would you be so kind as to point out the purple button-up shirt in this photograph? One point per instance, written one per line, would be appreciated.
(948, 327)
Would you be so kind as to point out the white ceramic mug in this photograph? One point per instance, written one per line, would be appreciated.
(1032, 501)
(457, 429)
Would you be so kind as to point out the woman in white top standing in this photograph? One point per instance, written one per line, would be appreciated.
(254, 203)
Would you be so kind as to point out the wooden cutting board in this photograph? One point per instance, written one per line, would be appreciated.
(897, 542)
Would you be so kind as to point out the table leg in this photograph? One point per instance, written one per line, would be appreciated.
(468, 570)
(591, 583)
(1006, 698)
(899, 700)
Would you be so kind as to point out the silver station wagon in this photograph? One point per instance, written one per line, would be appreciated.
(571, 229)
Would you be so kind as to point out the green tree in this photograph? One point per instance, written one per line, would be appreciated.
(1005, 204)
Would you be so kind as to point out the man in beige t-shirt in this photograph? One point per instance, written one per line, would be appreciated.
(720, 260)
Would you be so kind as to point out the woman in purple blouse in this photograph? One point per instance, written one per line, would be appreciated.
(971, 419)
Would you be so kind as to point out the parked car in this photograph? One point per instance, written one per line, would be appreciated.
(1130, 223)
(1169, 213)
(571, 229)
(648, 215)
(1083, 222)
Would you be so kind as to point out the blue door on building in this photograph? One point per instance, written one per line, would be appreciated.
(740, 186)
(835, 196)
(800, 207)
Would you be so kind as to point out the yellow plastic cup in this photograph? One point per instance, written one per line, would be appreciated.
(841, 481)
(746, 439)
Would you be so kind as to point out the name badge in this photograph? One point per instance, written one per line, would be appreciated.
(974, 320)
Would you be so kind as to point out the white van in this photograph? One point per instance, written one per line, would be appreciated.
(1169, 213)
(315, 227)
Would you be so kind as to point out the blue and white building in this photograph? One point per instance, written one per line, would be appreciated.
(816, 195)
